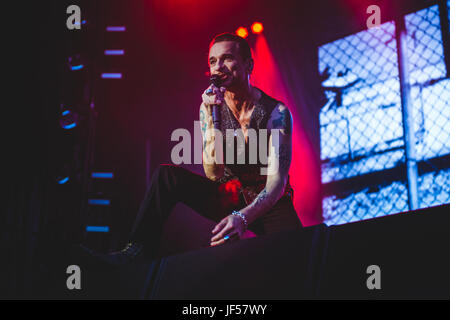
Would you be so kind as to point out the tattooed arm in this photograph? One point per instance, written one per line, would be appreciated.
(213, 170)
(278, 165)
(280, 126)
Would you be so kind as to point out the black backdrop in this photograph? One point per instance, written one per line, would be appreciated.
(168, 49)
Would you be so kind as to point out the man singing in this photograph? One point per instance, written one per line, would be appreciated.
(237, 196)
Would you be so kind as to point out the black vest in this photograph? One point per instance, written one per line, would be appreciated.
(248, 175)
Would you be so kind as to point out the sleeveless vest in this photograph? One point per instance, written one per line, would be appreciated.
(247, 177)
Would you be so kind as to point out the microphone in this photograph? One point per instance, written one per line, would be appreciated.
(215, 80)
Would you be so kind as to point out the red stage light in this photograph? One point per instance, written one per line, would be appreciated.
(257, 27)
(242, 32)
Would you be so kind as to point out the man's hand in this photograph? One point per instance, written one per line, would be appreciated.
(212, 161)
(231, 226)
(213, 95)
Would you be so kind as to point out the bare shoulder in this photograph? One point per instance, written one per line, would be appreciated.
(281, 118)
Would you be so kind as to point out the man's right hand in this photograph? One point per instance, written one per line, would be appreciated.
(213, 170)
(213, 96)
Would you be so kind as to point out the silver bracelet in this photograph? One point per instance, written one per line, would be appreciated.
(239, 214)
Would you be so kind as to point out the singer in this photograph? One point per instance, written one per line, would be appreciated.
(234, 195)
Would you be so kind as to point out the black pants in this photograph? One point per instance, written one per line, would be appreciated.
(172, 184)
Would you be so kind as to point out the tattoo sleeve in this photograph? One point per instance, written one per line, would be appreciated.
(278, 164)
(204, 126)
(260, 201)
(284, 157)
(283, 121)
(212, 168)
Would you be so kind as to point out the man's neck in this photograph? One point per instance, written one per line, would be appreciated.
(236, 98)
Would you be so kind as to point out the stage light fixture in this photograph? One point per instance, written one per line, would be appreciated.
(109, 75)
(83, 22)
(62, 180)
(68, 119)
(102, 175)
(257, 27)
(242, 32)
(74, 62)
(116, 28)
(115, 52)
(97, 228)
(63, 174)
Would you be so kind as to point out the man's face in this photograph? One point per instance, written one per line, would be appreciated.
(226, 62)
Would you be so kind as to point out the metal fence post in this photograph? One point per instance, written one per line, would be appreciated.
(445, 32)
(407, 114)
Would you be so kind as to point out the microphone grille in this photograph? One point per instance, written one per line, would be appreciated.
(215, 80)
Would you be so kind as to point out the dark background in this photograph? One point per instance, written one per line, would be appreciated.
(166, 47)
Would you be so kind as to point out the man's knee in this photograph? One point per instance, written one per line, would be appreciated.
(164, 170)
(168, 174)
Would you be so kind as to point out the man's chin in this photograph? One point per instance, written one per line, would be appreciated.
(228, 83)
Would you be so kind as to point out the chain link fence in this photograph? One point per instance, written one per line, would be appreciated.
(362, 135)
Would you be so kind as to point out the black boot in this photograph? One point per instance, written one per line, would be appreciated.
(131, 253)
